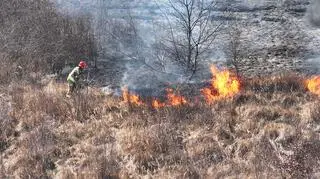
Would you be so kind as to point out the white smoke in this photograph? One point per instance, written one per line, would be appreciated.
(139, 76)
(314, 13)
(313, 17)
(253, 3)
(313, 65)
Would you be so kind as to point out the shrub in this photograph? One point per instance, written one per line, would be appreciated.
(39, 39)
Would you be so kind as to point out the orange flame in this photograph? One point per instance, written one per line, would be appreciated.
(156, 104)
(225, 84)
(131, 98)
(172, 99)
(313, 85)
(175, 100)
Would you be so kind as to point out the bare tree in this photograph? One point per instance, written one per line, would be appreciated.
(192, 32)
(35, 36)
(233, 48)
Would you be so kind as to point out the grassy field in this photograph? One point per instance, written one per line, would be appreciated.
(270, 129)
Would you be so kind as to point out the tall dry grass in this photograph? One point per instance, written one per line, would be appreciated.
(91, 135)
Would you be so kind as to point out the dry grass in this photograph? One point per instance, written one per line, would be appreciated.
(281, 83)
(253, 135)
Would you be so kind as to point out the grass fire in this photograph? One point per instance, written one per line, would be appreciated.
(224, 84)
(173, 89)
(313, 85)
(275, 130)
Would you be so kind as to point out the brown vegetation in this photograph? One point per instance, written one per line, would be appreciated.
(36, 38)
(253, 135)
(269, 130)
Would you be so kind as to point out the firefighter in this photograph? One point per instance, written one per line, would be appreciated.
(74, 76)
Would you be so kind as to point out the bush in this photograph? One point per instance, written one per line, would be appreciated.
(40, 39)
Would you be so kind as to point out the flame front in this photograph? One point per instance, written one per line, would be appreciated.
(131, 98)
(172, 99)
(223, 85)
(175, 100)
(313, 85)
(156, 104)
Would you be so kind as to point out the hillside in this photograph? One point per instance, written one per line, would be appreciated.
(275, 36)
(249, 109)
